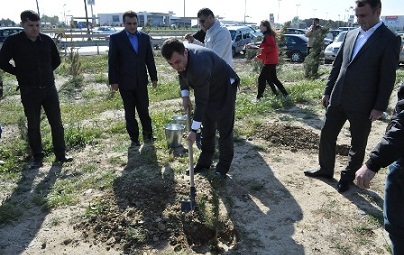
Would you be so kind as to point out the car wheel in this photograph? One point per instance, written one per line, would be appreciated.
(296, 57)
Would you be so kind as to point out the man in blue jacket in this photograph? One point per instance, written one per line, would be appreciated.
(130, 60)
(390, 151)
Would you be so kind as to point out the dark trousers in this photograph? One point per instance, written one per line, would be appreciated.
(225, 128)
(137, 101)
(393, 208)
(360, 124)
(33, 99)
(268, 75)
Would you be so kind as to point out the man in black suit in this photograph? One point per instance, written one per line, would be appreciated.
(215, 85)
(389, 152)
(358, 89)
(130, 59)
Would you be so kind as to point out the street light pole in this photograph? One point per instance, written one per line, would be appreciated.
(279, 8)
(245, 11)
(297, 10)
(64, 14)
(37, 7)
(314, 12)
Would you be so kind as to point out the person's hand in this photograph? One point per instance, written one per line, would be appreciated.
(325, 100)
(375, 115)
(186, 102)
(191, 137)
(190, 38)
(114, 87)
(363, 177)
(154, 84)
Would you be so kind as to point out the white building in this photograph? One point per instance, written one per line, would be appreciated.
(156, 19)
(394, 22)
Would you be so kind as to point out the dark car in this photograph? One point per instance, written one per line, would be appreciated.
(7, 31)
(295, 31)
(295, 47)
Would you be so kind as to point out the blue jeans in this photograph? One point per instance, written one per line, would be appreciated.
(394, 207)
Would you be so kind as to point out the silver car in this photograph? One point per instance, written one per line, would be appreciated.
(402, 51)
(331, 50)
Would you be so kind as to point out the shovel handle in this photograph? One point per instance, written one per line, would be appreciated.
(190, 152)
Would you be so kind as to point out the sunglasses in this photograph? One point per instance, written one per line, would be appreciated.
(201, 21)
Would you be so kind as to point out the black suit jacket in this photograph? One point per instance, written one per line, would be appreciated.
(366, 81)
(127, 67)
(210, 77)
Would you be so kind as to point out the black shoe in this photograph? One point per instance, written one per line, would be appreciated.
(198, 169)
(149, 139)
(64, 159)
(343, 186)
(318, 173)
(219, 177)
(135, 143)
(37, 163)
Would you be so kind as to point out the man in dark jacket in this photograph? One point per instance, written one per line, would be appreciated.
(358, 90)
(215, 85)
(130, 53)
(390, 151)
(36, 57)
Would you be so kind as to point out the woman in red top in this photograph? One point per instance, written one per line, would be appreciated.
(268, 54)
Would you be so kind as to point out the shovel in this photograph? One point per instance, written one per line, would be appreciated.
(190, 205)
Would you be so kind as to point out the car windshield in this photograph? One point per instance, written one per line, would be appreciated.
(340, 37)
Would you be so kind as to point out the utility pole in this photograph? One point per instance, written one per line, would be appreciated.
(279, 8)
(37, 7)
(85, 8)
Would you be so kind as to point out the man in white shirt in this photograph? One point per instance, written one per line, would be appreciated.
(217, 36)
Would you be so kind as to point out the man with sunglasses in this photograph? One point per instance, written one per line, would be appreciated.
(217, 36)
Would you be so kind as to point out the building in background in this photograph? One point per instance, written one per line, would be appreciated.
(153, 19)
(394, 22)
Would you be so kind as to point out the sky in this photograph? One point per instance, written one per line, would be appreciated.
(253, 10)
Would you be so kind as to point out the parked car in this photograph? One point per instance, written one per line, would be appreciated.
(240, 37)
(346, 28)
(295, 47)
(402, 51)
(296, 31)
(331, 50)
(7, 31)
(332, 34)
(105, 30)
(299, 31)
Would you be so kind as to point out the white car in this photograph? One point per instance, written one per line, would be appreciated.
(105, 30)
(402, 51)
(331, 50)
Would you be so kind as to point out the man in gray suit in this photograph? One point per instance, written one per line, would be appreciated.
(358, 90)
(130, 53)
(215, 85)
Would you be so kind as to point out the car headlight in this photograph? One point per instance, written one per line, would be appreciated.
(329, 49)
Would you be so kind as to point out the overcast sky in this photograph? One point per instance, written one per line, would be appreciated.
(255, 10)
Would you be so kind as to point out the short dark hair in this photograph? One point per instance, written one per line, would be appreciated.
(316, 19)
(129, 14)
(374, 4)
(170, 46)
(205, 12)
(29, 15)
